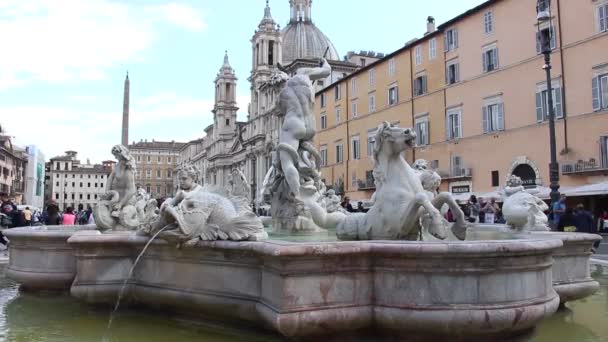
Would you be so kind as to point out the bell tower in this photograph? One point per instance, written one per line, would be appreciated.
(225, 109)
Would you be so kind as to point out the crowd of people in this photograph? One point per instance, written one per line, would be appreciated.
(479, 211)
(349, 207)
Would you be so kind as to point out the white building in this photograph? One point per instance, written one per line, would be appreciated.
(72, 183)
(34, 177)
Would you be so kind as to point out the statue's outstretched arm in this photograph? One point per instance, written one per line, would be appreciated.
(317, 73)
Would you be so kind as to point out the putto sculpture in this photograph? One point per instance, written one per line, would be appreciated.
(399, 203)
(205, 213)
(296, 160)
(521, 209)
(122, 206)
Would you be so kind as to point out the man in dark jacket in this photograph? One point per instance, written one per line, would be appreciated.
(584, 220)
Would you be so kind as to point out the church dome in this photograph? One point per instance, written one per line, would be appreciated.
(302, 39)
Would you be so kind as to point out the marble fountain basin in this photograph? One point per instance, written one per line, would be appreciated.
(479, 288)
(571, 272)
(41, 258)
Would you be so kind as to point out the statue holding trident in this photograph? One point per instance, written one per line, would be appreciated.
(296, 159)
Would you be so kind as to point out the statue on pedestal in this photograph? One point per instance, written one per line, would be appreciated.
(521, 209)
(122, 206)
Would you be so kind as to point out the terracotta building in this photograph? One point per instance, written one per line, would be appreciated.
(474, 91)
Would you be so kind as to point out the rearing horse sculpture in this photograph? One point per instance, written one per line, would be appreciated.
(399, 200)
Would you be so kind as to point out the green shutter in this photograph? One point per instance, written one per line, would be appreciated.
(539, 107)
(485, 120)
(595, 89)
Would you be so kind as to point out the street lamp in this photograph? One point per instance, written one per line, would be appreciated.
(543, 11)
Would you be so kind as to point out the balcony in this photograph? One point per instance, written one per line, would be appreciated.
(366, 184)
(457, 173)
(582, 167)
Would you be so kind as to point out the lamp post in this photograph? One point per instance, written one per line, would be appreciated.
(543, 11)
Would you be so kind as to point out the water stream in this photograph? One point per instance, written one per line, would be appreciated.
(108, 335)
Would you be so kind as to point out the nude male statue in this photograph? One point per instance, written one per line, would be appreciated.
(296, 102)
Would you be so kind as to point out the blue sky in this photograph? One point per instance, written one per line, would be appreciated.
(63, 62)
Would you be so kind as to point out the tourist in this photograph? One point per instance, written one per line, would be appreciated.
(474, 209)
(558, 209)
(567, 221)
(584, 220)
(449, 216)
(346, 205)
(603, 221)
(360, 207)
(51, 215)
(27, 216)
(12, 216)
(68, 218)
(482, 214)
(491, 210)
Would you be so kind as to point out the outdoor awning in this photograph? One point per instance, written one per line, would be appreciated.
(588, 190)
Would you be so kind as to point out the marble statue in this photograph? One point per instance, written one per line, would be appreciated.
(431, 181)
(332, 201)
(521, 209)
(238, 185)
(398, 203)
(296, 161)
(205, 213)
(122, 206)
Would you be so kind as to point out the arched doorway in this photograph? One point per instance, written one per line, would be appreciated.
(527, 175)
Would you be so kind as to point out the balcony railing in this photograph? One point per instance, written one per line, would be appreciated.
(583, 167)
(457, 173)
(366, 184)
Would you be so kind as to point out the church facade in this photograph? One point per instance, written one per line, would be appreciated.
(230, 144)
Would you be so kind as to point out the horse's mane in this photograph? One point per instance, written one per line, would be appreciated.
(377, 172)
(127, 159)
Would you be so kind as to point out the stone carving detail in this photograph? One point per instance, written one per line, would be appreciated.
(521, 209)
(295, 161)
(123, 207)
(400, 202)
(431, 181)
(206, 213)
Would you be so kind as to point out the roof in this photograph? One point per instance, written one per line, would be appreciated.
(162, 145)
(302, 39)
(466, 14)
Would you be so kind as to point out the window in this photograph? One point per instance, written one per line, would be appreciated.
(148, 174)
(493, 116)
(138, 158)
(95, 196)
(604, 151)
(490, 59)
(453, 129)
(543, 5)
(371, 142)
(158, 189)
(88, 196)
(353, 85)
(81, 184)
(372, 103)
(73, 184)
(391, 67)
(73, 196)
(542, 102)
(88, 185)
(323, 121)
(338, 92)
(362, 60)
(57, 183)
(354, 109)
(600, 92)
(353, 178)
(158, 174)
(339, 153)
(323, 151)
(488, 22)
(452, 73)
(432, 49)
(602, 16)
(356, 146)
(148, 188)
(495, 178)
(420, 85)
(149, 159)
(227, 124)
(323, 100)
(169, 174)
(393, 96)
(56, 196)
(80, 196)
(338, 115)
(418, 53)
(547, 30)
(457, 166)
(422, 131)
(451, 39)
(372, 76)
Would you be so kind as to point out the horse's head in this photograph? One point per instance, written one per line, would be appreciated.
(122, 154)
(393, 139)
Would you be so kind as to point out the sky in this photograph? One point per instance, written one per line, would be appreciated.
(63, 62)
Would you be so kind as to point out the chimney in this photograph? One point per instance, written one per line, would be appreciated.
(430, 25)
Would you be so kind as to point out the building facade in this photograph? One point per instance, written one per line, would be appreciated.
(474, 91)
(229, 144)
(34, 177)
(13, 162)
(72, 183)
(155, 164)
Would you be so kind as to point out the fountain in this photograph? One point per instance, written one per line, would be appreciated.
(403, 270)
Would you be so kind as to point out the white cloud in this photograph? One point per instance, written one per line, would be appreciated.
(66, 40)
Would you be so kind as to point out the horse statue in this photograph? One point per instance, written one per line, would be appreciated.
(399, 202)
(123, 206)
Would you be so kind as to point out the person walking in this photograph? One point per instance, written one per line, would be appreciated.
(27, 216)
(474, 209)
(558, 208)
(584, 220)
(68, 219)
